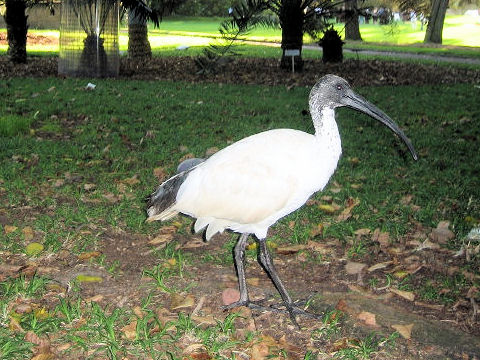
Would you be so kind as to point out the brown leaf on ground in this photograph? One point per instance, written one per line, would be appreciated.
(362, 232)
(204, 320)
(404, 294)
(8, 229)
(89, 187)
(161, 239)
(406, 200)
(347, 212)
(230, 295)
(353, 268)
(291, 249)
(28, 233)
(383, 238)
(178, 301)
(130, 331)
(89, 255)
(260, 351)
(194, 243)
(329, 208)
(211, 151)
(159, 173)
(131, 180)
(442, 234)
(319, 247)
(14, 325)
(317, 230)
(404, 330)
(379, 266)
(368, 318)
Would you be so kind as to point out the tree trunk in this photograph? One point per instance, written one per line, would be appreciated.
(138, 44)
(352, 27)
(17, 27)
(435, 22)
(291, 20)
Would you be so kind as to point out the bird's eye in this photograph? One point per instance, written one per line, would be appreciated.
(339, 87)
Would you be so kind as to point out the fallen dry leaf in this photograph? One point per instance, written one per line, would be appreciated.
(317, 230)
(8, 229)
(442, 234)
(28, 233)
(178, 301)
(362, 232)
(89, 187)
(404, 294)
(319, 247)
(137, 310)
(194, 243)
(44, 356)
(259, 351)
(291, 249)
(204, 320)
(379, 266)
(130, 330)
(253, 281)
(347, 212)
(404, 330)
(131, 180)
(383, 238)
(161, 239)
(353, 268)
(230, 295)
(89, 255)
(211, 151)
(95, 298)
(329, 208)
(159, 173)
(368, 318)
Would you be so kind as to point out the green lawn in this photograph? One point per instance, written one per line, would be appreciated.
(76, 165)
(463, 32)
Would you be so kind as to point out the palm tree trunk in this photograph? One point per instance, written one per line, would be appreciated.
(138, 44)
(17, 27)
(435, 22)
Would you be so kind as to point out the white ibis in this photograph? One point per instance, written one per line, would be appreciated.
(249, 185)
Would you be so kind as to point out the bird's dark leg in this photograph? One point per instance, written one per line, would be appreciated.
(240, 266)
(266, 261)
(239, 252)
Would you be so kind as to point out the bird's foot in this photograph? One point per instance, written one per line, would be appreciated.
(291, 309)
(247, 303)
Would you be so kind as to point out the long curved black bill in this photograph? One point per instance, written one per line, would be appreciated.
(356, 102)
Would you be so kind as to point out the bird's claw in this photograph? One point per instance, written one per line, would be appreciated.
(290, 309)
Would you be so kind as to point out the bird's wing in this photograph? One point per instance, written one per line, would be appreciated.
(250, 180)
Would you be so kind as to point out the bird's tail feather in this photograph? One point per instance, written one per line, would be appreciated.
(161, 203)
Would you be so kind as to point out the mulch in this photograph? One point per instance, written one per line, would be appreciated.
(243, 70)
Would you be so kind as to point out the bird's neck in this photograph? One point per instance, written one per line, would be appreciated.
(325, 124)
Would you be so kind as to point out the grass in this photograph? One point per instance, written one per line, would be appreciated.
(82, 162)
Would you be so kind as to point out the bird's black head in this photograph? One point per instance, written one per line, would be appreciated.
(332, 91)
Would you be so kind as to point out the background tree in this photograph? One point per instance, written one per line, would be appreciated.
(352, 26)
(436, 19)
(434, 11)
(17, 25)
(296, 18)
(138, 44)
